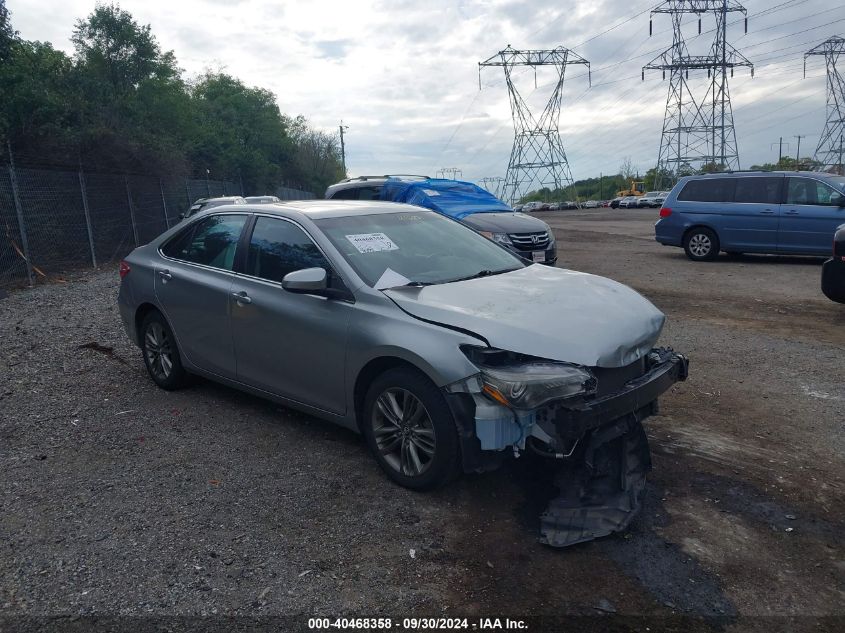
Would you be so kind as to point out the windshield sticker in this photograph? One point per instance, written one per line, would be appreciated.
(390, 279)
(372, 242)
(431, 192)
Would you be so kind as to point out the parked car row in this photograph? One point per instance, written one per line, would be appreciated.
(545, 206)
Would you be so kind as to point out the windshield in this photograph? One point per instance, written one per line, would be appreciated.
(394, 249)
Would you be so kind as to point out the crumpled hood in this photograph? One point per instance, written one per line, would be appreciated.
(545, 312)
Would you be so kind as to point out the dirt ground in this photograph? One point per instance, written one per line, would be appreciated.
(119, 499)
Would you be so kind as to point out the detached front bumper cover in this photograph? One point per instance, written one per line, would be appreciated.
(601, 487)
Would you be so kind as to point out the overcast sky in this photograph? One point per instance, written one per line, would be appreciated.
(403, 75)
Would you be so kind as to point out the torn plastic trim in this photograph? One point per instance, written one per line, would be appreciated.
(664, 368)
(600, 492)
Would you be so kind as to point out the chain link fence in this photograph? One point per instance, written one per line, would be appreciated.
(59, 221)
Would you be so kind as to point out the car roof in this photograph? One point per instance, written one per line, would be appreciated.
(316, 209)
(739, 174)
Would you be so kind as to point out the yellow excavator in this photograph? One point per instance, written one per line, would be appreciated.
(637, 189)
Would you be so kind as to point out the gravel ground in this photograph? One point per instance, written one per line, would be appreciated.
(119, 499)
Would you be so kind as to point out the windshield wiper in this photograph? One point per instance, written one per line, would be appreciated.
(483, 273)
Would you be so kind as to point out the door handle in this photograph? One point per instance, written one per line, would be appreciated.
(242, 298)
(767, 212)
(792, 212)
(165, 275)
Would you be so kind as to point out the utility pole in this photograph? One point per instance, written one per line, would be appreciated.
(342, 129)
(780, 148)
(798, 151)
(601, 188)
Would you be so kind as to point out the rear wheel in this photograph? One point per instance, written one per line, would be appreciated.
(410, 430)
(701, 244)
(161, 355)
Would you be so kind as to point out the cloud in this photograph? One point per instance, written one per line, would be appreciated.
(403, 74)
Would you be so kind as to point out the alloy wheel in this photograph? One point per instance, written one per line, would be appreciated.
(700, 245)
(403, 431)
(159, 351)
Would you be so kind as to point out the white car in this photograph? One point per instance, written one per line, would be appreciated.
(532, 206)
(651, 199)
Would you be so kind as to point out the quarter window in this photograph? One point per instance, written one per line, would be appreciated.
(278, 247)
(211, 241)
(814, 192)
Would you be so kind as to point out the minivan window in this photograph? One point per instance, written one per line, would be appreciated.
(758, 190)
(810, 191)
(212, 241)
(708, 190)
(278, 247)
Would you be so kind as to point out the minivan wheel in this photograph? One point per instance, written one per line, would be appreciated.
(410, 430)
(701, 245)
(161, 355)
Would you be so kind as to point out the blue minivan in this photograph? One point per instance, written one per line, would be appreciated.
(785, 213)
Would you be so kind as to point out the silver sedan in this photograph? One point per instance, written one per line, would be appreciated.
(446, 351)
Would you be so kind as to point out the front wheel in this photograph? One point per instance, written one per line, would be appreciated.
(701, 245)
(410, 430)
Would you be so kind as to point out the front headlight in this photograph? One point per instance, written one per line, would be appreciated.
(530, 383)
(502, 238)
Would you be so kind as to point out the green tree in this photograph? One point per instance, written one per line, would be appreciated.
(36, 110)
(240, 129)
(7, 33)
(133, 102)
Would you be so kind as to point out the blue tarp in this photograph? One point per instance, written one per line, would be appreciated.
(454, 198)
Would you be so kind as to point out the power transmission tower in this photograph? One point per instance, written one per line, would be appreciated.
(496, 181)
(829, 150)
(449, 172)
(698, 132)
(537, 158)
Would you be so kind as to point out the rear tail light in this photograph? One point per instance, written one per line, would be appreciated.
(665, 212)
(124, 269)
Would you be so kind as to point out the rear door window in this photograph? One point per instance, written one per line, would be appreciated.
(278, 247)
(758, 190)
(211, 241)
(708, 190)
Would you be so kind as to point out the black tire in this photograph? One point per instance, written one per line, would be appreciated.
(414, 438)
(701, 244)
(161, 354)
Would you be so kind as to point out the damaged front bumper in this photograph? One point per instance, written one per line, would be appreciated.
(599, 441)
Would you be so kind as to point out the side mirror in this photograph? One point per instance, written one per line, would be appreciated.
(306, 281)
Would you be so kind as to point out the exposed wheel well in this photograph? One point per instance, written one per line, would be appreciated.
(140, 314)
(370, 371)
(699, 226)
